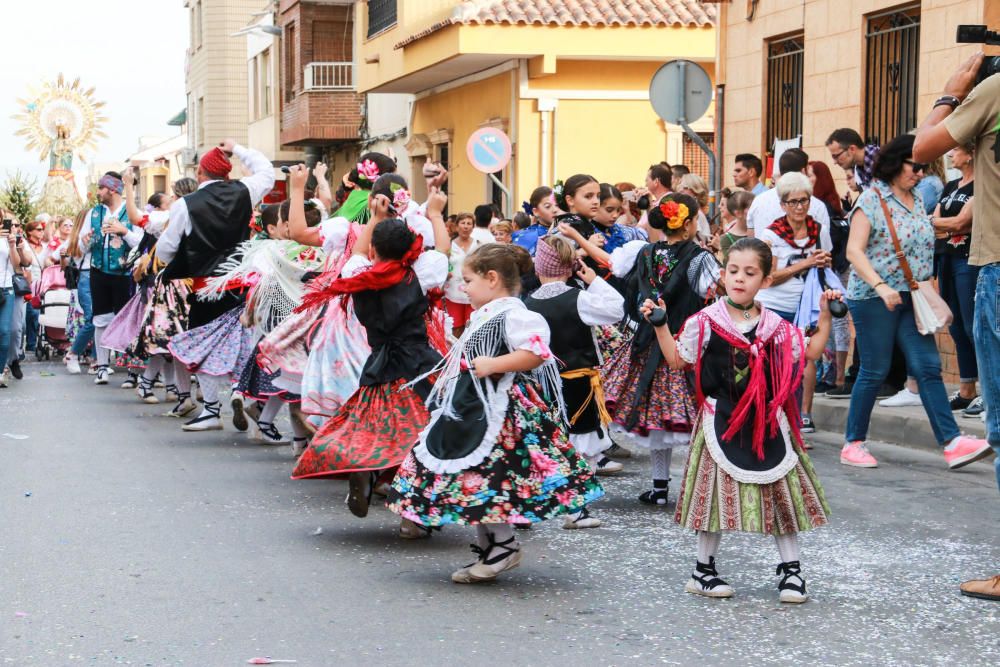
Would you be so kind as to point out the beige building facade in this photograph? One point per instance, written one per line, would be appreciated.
(216, 76)
(807, 67)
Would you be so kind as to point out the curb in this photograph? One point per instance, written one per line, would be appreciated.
(908, 427)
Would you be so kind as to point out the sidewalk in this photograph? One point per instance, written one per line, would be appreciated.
(908, 427)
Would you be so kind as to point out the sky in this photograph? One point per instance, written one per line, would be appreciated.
(130, 51)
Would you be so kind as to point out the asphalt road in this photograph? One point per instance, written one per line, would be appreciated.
(125, 541)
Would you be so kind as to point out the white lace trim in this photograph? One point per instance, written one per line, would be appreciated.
(789, 461)
(495, 413)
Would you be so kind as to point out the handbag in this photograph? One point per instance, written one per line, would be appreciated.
(72, 275)
(930, 311)
(20, 285)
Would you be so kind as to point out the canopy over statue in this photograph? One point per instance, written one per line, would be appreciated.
(61, 121)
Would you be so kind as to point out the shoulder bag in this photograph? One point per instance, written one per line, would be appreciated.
(929, 309)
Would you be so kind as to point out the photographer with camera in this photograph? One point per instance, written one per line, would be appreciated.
(969, 113)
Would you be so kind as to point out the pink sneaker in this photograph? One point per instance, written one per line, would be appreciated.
(964, 450)
(856, 454)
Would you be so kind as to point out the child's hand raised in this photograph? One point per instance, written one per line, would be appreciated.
(586, 274)
(826, 297)
(648, 306)
(567, 230)
(297, 176)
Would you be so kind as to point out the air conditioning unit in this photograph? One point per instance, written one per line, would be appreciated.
(189, 156)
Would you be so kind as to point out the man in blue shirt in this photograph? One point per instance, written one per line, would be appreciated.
(747, 173)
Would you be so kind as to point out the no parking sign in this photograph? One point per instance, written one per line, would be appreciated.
(488, 150)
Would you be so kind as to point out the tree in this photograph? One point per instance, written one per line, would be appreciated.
(19, 195)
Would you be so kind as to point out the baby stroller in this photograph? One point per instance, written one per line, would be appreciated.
(52, 299)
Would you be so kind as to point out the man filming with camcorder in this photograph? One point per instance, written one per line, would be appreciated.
(969, 113)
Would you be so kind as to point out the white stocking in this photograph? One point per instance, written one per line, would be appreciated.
(270, 410)
(788, 547)
(708, 545)
(183, 378)
(103, 353)
(501, 532)
(168, 372)
(660, 458)
(209, 387)
(154, 365)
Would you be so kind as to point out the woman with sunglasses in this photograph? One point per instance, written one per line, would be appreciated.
(881, 305)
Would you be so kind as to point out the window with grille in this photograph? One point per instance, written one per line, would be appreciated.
(892, 43)
(381, 16)
(695, 159)
(784, 89)
(291, 61)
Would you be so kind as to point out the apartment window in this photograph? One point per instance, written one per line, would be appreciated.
(381, 16)
(265, 85)
(291, 61)
(255, 88)
(695, 158)
(784, 89)
(892, 42)
(196, 41)
(200, 120)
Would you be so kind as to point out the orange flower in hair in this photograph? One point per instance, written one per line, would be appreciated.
(675, 214)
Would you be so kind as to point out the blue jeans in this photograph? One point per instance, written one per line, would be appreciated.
(86, 333)
(6, 323)
(877, 328)
(957, 282)
(986, 331)
(30, 328)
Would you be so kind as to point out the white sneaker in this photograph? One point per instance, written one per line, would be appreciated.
(904, 398)
(4, 379)
(101, 376)
(72, 365)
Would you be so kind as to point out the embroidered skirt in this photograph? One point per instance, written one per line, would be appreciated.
(374, 430)
(220, 348)
(712, 500)
(531, 474)
(75, 318)
(666, 406)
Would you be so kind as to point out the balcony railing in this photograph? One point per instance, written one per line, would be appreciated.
(328, 76)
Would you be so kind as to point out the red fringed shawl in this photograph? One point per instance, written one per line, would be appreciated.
(380, 276)
(770, 354)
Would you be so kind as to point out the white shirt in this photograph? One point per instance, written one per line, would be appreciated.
(786, 296)
(259, 183)
(766, 208)
(454, 289)
(6, 268)
(483, 235)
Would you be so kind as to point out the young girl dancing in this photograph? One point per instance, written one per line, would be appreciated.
(646, 397)
(747, 470)
(496, 451)
(375, 429)
(572, 313)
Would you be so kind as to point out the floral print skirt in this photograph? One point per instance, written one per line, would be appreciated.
(374, 430)
(219, 348)
(531, 474)
(166, 316)
(666, 406)
(712, 500)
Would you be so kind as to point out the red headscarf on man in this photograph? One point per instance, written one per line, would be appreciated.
(216, 164)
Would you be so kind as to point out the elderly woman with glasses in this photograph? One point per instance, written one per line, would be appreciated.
(882, 307)
(798, 243)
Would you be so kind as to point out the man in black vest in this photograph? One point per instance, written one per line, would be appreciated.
(205, 228)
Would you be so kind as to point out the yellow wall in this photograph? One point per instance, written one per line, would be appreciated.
(833, 65)
(462, 111)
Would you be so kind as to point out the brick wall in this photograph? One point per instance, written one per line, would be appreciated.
(322, 33)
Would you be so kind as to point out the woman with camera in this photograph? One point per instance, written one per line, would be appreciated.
(11, 261)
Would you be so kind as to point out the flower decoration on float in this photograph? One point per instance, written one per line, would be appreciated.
(675, 214)
(368, 170)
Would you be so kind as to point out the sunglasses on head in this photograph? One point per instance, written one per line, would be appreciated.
(917, 166)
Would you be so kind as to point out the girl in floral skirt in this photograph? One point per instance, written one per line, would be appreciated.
(375, 428)
(647, 398)
(496, 452)
(747, 470)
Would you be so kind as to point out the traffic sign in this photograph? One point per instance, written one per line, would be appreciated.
(680, 92)
(488, 150)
